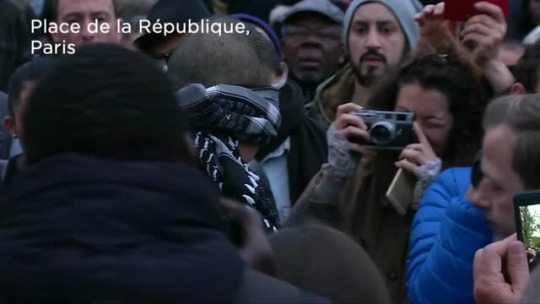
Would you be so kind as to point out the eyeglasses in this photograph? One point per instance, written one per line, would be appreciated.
(476, 172)
(297, 33)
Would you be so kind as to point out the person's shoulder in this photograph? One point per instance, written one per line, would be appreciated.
(459, 177)
(456, 172)
(450, 183)
(260, 288)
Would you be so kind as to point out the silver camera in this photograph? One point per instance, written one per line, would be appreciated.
(387, 129)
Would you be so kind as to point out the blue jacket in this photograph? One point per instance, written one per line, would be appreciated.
(445, 234)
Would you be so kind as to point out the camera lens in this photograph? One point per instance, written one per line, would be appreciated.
(382, 133)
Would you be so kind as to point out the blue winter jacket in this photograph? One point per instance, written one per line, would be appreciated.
(445, 234)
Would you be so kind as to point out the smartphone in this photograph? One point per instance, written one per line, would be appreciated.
(401, 191)
(461, 10)
(527, 218)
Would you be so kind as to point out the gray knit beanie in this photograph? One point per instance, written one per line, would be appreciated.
(404, 10)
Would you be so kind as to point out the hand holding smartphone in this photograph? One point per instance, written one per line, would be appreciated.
(401, 191)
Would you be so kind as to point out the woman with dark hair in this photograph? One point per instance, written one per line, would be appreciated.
(444, 93)
(458, 82)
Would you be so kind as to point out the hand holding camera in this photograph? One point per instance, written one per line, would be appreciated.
(369, 130)
(366, 130)
(387, 130)
(348, 125)
(418, 154)
(340, 159)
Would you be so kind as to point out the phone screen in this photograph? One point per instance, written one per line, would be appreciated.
(527, 213)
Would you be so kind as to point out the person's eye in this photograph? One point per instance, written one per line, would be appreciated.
(434, 125)
(387, 30)
(498, 187)
(328, 36)
(360, 30)
(293, 33)
(102, 18)
(72, 20)
(494, 187)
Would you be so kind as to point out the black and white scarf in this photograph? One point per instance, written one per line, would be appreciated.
(223, 116)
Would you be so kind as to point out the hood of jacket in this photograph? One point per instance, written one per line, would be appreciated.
(81, 229)
(335, 91)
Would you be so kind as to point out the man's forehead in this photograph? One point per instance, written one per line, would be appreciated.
(498, 150)
(76, 6)
(500, 140)
(311, 18)
(374, 12)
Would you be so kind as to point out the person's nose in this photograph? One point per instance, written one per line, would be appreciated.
(311, 39)
(86, 35)
(373, 39)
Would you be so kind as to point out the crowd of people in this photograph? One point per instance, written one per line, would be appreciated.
(364, 151)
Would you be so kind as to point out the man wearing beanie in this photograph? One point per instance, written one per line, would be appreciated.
(377, 35)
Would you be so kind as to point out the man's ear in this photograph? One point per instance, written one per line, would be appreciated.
(282, 43)
(517, 88)
(342, 60)
(283, 68)
(342, 56)
(9, 125)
